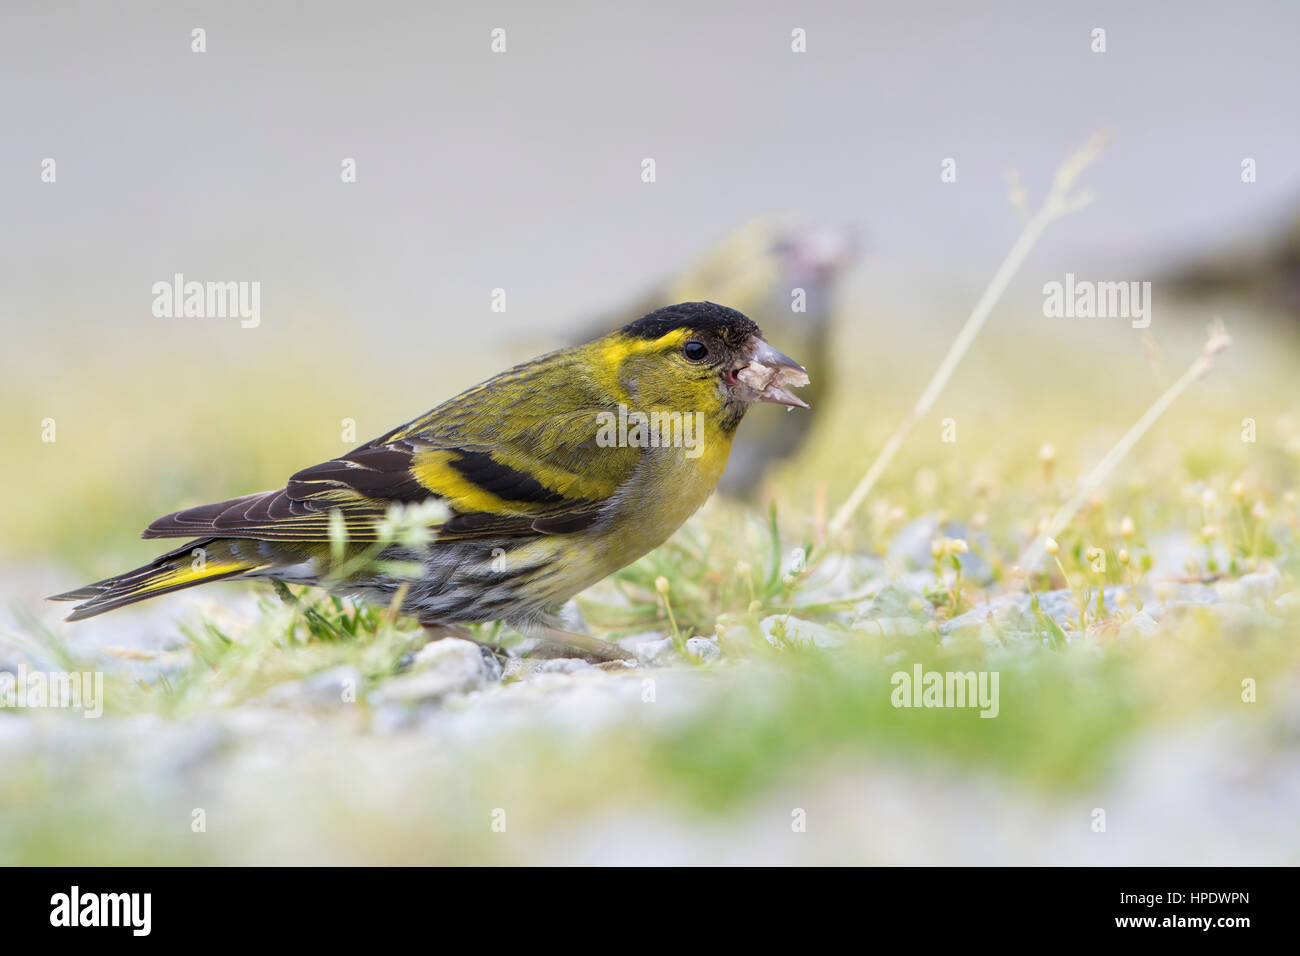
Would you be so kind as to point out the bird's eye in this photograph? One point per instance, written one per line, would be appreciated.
(695, 351)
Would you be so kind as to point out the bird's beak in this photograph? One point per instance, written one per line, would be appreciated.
(767, 375)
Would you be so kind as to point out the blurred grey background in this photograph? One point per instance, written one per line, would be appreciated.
(522, 170)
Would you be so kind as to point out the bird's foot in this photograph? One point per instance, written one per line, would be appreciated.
(558, 643)
(553, 643)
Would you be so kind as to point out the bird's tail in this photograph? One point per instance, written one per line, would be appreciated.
(197, 562)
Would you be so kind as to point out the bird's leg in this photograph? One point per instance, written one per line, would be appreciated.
(555, 642)
(585, 644)
(561, 633)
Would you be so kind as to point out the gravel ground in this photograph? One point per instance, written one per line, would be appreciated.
(1219, 792)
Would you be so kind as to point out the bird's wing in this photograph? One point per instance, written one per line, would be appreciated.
(508, 458)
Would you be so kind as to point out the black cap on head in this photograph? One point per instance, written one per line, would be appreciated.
(729, 325)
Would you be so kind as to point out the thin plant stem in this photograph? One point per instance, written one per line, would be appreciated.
(1217, 341)
(1059, 203)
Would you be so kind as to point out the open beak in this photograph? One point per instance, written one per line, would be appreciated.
(768, 376)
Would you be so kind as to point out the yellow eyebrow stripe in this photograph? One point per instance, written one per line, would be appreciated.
(617, 348)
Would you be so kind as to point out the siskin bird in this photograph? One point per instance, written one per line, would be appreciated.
(553, 475)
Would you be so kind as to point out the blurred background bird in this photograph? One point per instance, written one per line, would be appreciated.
(1258, 270)
(785, 278)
